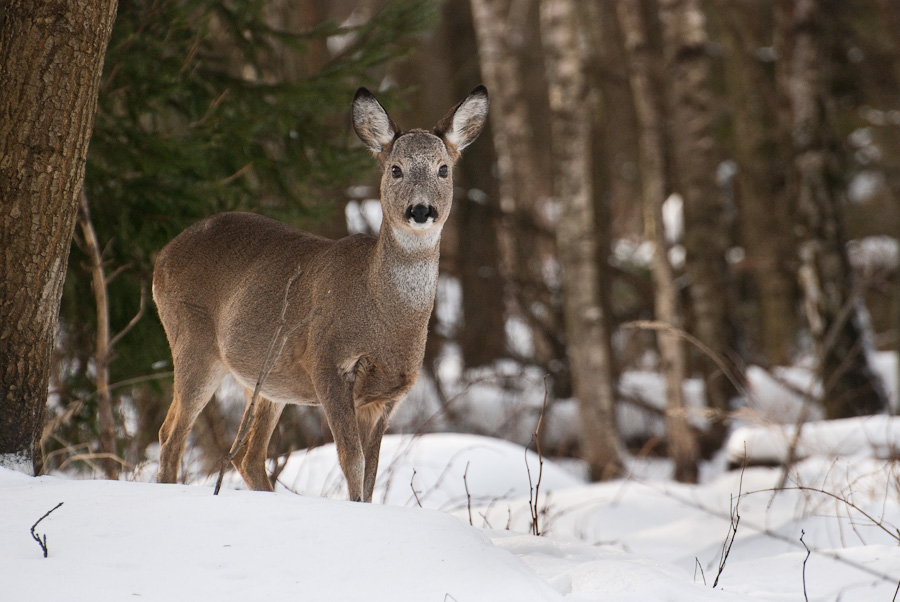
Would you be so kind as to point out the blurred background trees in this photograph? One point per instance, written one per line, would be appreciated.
(687, 187)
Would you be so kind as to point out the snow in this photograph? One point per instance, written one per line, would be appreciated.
(642, 538)
(878, 436)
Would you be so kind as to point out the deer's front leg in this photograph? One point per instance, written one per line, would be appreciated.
(335, 392)
(372, 421)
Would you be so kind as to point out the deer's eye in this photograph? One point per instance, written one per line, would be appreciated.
(396, 172)
(443, 171)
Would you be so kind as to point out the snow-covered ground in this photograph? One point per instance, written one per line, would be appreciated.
(456, 527)
(454, 513)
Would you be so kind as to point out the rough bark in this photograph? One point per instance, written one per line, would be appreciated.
(683, 448)
(761, 194)
(482, 338)
(502, 28)
(689, 94)
(850, 386)
(589, 348)
(51, 58)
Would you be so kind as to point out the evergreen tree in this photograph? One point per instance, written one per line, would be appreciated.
(197, 114)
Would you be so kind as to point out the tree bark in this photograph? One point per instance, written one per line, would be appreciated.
(765, 218)
(589, 348)
(502, 28)
(683, 448)
(850, 386)
(705, 230)
(482, 338)
(51, 58)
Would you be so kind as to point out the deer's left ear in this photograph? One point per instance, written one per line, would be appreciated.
(462, 124)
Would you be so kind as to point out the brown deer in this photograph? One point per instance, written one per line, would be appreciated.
(355, 310)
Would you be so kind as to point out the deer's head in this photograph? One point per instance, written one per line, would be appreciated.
(417, 166)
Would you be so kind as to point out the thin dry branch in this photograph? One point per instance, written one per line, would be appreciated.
(42, 541)
(415, 493)
(802, 533)
(468, 495)
(279, 339)
(134, 320)
(735, 520)
(535, 489)
(715, 357)
(895, 534)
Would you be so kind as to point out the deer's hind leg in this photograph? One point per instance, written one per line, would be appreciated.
(196, 379)
(251, 458)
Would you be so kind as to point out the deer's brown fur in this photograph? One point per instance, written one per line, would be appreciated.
(357, 313)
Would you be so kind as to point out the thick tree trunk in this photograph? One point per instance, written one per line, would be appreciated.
(761, 194)
(850, 387)
(51, 58)
(589, 348)
(683, 447)
(705, 230)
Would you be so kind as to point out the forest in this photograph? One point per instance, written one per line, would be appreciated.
(693, 189)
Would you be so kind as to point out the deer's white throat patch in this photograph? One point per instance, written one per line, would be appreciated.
(416, 281)
(425, 239)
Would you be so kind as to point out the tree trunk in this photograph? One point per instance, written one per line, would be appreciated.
(761, 193)
(850, 386)
(51, 75)
(502, 28)
(683, 447)
(589, 348)
(705, 229)
(482, 338)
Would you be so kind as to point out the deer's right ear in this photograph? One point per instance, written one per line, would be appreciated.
(371, 122)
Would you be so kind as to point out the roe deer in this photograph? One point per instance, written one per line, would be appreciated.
(357, 308)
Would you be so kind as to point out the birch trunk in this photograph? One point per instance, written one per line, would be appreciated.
(502, 28)
(683, 448)
(589, 348)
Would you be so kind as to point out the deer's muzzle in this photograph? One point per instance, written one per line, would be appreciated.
(421, 213)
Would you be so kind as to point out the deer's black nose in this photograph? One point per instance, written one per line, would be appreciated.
(421, 213)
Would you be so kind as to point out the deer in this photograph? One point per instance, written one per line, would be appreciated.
(355, 310)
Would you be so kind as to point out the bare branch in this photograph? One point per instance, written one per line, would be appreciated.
(468, 495)
(279, 340)
(134, 320)
(715, 357)
(802, 533)
(534, 489)
(43, 541)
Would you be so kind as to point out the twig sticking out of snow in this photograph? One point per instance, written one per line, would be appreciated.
(699, 566)
(280, 340)
(534, 491)
(36, 537)
(468, 495)
(802, 533)
(732, 526)
(416, 493)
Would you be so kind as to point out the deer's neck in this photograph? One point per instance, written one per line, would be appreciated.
(406, 267)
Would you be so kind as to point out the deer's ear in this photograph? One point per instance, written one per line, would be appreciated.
(462, 124)
(371, 122)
